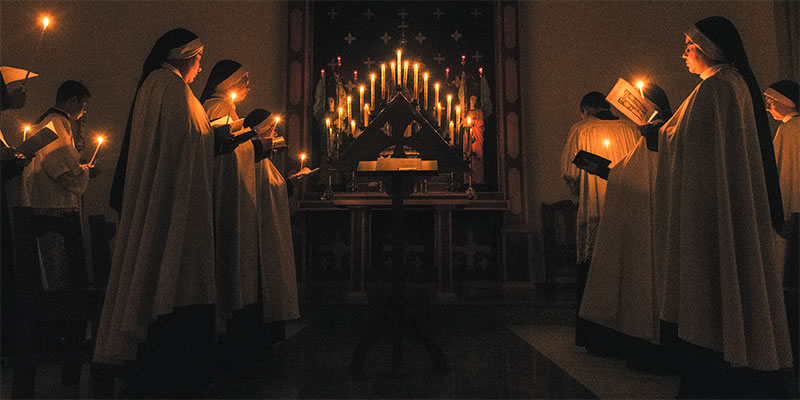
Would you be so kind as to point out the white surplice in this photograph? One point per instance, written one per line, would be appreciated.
(235, 221)
(714, 239)
(164, 250)
(610, 139)
(787, 156)
(620, 288)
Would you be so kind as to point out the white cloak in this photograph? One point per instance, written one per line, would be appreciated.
(787, 156)
(276, 253)
(620, 287)
(714, 241)
(164, 249)
(235, 222)
(591, 135)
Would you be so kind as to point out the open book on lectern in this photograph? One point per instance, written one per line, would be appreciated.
(40, 139)
(629, 101)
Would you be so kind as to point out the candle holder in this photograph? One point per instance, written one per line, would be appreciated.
(328, 193)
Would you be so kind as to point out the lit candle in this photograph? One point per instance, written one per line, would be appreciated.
(372, 89)
(640, 85)
(383, 81)
(480, 72)
(340, 122)
(45, 23)
(606, 142)
(349, 107)
(322, 73)
(99, 142)
(425, 88)
(394, 75)
(458, 116)
(439, 113)
(449, 103)
(416, 79)
(452, 131)
(302, 159)
(353, 128)
(366, 114)
(233, 100)
(447, 74)
(329, 142)
(25, 132)
(465, 146)
(361, 95)
(436, 94)
(355, 76)
(405, 74)
(399, 64)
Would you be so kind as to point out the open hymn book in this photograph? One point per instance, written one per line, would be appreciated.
(36, 142)
(629, 101)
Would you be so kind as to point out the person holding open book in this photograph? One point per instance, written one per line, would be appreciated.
(718, 204)
(603, 133)
(161, 289)
(783, 103)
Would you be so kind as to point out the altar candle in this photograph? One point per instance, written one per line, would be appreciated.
(464, 146)
(425, 88)
(399, 64)
(458, 116)
(366, 114)
(372, 89)
(449, 103)
(480, 72)
(339, 61)
(452, 131)
(446, 73)
(355, 76)
(416, 79)
(349, 107)
(340, 122)
(329, 142)
(353, 127)
(99, 142)
(405, 74)
(383, 81)
(436, 94)
(439, 113)
(25, 132)
(361, 95)
(394, 75)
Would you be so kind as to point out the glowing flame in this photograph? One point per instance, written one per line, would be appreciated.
(302, 156)
(606, 142)
(277, 119)
(233, 96)
(45, 22)
(640, 84)
(99, 139)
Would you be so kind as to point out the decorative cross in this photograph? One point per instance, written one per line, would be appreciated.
(369, 14)
(403, 14)
(438, 13)
(439, 59)
(349, 38)
(456, 35)
(332, 13)
(420, 37)
(475, 13)
(350, 85)
(477, 56)
(333, 64)
(386, 37)
(471, 249)
(338, 248)
(368, 62)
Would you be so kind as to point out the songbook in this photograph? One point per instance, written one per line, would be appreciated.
(11, 74)
(305, 172)
(36, 142)
(236, 124)
(592, 163)
(629, 101)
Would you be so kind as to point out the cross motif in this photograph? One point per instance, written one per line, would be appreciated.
(332, 13)
(369, 14)
(477, 56)
(349, 38)
(368, 62)
(350, 85)
(338, 250)
(439, 59)
(333, 63)
(471, 249)
(456, 35)
(438, 13)
(386, 38)
(420, 37)
(403, 13)
(475, 13)
(403, 26)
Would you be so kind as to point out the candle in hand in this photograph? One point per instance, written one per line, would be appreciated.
(302, 159)
(606, 142)
(640, 85)
(25, 132)
(233, 100)
(99, 142)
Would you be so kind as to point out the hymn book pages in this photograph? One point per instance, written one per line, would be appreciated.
(36, 142)
(629, 101)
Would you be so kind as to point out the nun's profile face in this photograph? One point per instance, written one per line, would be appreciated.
(778, 110)
(696, 61)
(191, 68)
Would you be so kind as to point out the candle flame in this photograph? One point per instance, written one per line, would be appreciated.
(99, 139)
(640, 84)
(469, 121)
(45, 22)
(436, 85)
(233, 96)
(361, 89)
(425, 75)
(27, 128)
(277, 119)
(607, 142)
(303, 156)
(449, 97)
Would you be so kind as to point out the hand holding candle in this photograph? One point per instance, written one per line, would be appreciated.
(25, 132)
(94, 156)
(302, 160)
(640, 85)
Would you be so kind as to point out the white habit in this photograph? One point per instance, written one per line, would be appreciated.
(787, 156)
(164, 249)
(235, 221)
(610, 139)
(714, 239)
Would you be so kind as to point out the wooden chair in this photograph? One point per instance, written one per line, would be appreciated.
(34, 305)
(558, 231)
